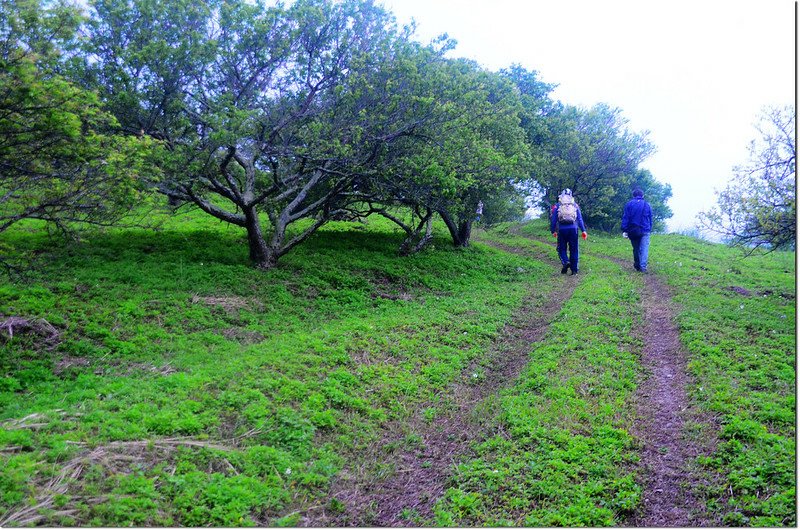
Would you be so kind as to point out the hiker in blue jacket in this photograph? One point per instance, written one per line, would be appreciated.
(567, 215)
(637, 221)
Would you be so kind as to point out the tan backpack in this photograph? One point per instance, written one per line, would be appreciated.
(567, 209)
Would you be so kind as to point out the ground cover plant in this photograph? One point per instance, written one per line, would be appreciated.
(155, 378)
(183, 387)
(269, 359)
(561, 453)
(737, 322)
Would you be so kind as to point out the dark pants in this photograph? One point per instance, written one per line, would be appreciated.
(568, 238)
(641, 247)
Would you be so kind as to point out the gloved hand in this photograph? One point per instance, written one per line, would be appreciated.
(555, 234)
(584, 235)
(625, 235)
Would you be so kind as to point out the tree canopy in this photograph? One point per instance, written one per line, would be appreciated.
(60, 159)
(592, 152)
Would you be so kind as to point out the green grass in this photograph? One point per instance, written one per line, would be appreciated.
(743, 358)
(284, 375)
(562, 454)
(186, 388)
(737, 321)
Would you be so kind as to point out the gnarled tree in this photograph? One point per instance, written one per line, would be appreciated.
(593, 153)
(470, 150)
(265, 110)
(60, 160)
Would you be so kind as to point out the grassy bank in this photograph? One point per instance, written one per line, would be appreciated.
(159, 380)
(182, 387)
(561, 453)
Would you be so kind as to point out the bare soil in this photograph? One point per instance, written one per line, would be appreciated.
(421, 472)
(663, 408)
(661, 398)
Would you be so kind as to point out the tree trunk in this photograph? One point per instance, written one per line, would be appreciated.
(460, 233)
(464, 232)
(174, 200)
(261, 255)
(409, 247)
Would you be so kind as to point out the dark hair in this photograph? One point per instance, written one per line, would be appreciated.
(637, 192)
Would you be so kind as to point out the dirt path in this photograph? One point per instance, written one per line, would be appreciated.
(662, 405)
(421, 475)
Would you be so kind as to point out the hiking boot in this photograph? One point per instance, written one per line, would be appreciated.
(573, 273)
(564, 268)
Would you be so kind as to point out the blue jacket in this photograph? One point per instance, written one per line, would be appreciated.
(637, 219)
(562, 226)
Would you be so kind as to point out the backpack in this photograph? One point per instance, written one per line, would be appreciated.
(567, 209)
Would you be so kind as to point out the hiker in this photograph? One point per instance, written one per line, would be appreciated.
(567, 214)
(637, 221)
(479, 211)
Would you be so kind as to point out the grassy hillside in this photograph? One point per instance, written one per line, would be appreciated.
(154, 378)
(737, 322)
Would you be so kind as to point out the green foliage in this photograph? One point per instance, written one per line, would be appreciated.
(472, 150)
(565, 455)
(594, 154)
(299, 110)
(212, 393)
(737, 321)
(59, 158)
(160, 381)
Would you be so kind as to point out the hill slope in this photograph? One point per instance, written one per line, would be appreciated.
(156, 379)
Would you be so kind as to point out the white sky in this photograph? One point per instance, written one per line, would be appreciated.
(695, 73)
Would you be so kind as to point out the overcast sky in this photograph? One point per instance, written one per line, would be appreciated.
(695, 73)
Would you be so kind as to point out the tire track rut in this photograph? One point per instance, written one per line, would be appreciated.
(662, 409)
(422, 475)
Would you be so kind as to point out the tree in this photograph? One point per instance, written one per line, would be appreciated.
(60, 161)
(536, 103)
(593, 153)
(759, 207)
(473, 150)
(466, 147)
(265, 110)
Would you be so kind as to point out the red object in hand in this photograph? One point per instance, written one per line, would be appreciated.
(555, 234)
(585, 235)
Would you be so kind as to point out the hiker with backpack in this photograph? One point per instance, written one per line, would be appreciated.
(567, 215)
(479, 212)
(637, 221)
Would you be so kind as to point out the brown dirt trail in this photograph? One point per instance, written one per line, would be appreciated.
(663, 408)
(661, 400)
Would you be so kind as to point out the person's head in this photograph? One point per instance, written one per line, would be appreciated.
(638, 193)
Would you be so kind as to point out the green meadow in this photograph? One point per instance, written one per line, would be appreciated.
(154, 378)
